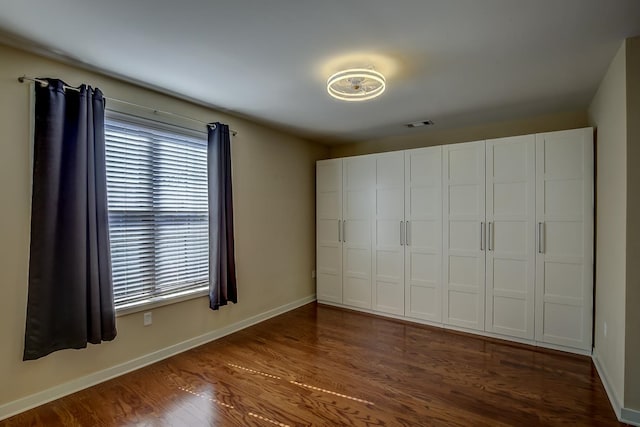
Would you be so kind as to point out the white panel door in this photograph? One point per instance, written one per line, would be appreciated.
(423, 249)
(388, 256)
(564, 219)
(359, 177)
(328, 230)
(464, 234)
(510, 213)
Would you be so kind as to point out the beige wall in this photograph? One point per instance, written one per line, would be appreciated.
(608, 113)
(632, 350)
(275, 246)
(429, 137)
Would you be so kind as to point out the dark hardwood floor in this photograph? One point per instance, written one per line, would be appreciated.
(324, 366)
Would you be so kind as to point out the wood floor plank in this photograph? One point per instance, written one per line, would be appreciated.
(323, 366)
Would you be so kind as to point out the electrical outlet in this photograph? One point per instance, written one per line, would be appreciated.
(148, 319)
(313, 274)
(605, 329)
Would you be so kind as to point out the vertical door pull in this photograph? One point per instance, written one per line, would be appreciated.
(339, 232)
(538, 235)
(344, 230)
(407, 233)
(482, 236)
(490, 245)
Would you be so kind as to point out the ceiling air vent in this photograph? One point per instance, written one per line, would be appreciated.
(418, 124)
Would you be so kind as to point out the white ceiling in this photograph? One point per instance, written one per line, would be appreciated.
(456, 62)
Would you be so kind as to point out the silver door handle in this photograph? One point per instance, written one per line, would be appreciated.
(344, 230)
(482, 236)
(490, 245)
(540, 238)
(407, 233)
(339, 232)
(401, 233)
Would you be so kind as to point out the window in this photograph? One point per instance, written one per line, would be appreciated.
(158, 214)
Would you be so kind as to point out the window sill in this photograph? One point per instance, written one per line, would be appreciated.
(152, 303)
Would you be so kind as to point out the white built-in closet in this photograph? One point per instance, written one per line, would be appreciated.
(492, 237)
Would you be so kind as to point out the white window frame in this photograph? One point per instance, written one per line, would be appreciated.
(158, 301)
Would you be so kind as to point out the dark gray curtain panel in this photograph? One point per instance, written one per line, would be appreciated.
(222, 264)
(70, 288)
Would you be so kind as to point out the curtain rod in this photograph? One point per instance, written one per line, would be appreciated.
(155, 111)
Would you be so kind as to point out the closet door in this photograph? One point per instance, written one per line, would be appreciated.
(388, 257)
(423, 249)
(329, 230)
(464, 234)
(510, 210)
(359, 177)
(564, 225)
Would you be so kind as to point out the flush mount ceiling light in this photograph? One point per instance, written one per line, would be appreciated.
(356, 84)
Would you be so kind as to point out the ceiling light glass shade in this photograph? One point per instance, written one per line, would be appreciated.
(356, 84)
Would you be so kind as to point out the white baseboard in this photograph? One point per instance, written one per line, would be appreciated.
(462, 329)
(23, 404)
(381, 314)
(613, 398)
(563, 348)
(630, 416)
(625, 415)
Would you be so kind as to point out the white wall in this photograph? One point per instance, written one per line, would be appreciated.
(274, 195)
(632, 312)
(607, 112)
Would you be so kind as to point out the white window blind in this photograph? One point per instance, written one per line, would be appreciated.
(158, 214)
